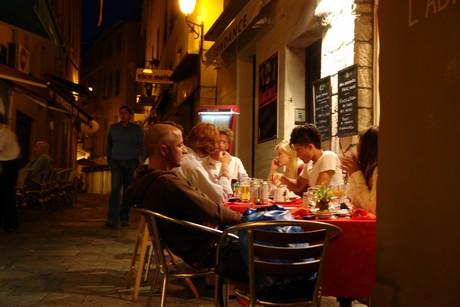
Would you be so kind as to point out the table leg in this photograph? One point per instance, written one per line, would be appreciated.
(345, 301)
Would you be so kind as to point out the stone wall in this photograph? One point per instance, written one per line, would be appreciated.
(348, 39)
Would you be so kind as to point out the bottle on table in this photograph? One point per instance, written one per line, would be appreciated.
(236, 189)
(264, 192)
(254, 191)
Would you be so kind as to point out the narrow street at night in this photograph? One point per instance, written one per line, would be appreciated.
(65, 256)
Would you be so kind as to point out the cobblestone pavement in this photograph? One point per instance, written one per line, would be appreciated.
(65, 256)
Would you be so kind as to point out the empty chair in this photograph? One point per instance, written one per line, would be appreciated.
(289, 263)
(39, 192)
(21, 187)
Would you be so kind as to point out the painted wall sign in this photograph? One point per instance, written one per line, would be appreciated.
(268, 99)
(238, 25)
(157, 76)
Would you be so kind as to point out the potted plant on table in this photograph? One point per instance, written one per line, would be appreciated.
(322, 197)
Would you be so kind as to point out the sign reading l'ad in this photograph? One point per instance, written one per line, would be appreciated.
(322, 106)
(348, 101)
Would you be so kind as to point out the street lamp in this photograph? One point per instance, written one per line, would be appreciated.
(187, 7)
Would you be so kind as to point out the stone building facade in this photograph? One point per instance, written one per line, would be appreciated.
(305, 40)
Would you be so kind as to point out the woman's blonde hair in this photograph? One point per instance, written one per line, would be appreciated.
(292, 167)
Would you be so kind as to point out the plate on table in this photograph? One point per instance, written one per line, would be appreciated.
(342, 212)
(293, 195)
(283, 202)
(324, 216)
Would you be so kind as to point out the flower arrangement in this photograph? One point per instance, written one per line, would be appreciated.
(322, 197)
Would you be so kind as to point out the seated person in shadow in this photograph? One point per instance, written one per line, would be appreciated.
(361, 168)
(41, 163)
(201, 142)
(212, 163)
(158, 188)
(285, 157)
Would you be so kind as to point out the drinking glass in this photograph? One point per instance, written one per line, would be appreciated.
(310, 195)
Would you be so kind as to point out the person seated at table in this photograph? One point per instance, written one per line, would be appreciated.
(201, 142)
(321, 166)
(157, 187)
(361, 168)
(212, 163)
(41, 163)
(285, 156)
(167, 122)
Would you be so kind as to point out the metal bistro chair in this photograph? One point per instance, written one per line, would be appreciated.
(175, 269)
(21, 196)
(281, 254)
(40, 192)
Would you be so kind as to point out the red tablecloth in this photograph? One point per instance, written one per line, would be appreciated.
(349, 269)
(240, 206)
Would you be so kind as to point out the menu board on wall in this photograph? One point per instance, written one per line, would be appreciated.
(322, 106)
(348, 101)
(268, 99)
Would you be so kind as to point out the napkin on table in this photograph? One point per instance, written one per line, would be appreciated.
(362, 214)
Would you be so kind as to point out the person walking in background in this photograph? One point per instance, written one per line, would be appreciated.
(9, 167)
(125, 151)
(321, 166)
(41, 163)
(361, 167)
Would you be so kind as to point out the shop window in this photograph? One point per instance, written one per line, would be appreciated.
(3, 51)
(117, 82)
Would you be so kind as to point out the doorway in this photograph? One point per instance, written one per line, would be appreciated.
(23, 128)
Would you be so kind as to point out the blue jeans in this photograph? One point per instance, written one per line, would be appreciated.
(122, 174)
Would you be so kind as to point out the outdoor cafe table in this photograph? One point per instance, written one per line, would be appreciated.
(349, 270)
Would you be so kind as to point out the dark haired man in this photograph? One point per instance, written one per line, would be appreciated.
(321, 166)
(125, 150)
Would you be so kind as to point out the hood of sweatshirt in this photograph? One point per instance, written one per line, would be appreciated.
(135, 193)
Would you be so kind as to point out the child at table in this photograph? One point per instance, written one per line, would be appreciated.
(361, 167)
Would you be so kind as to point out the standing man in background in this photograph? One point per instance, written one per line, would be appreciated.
(9, 167)
(125, 150)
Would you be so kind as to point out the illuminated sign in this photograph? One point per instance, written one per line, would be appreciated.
(239, 24)
(156, 76)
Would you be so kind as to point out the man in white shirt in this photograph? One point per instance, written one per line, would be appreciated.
(321, 166)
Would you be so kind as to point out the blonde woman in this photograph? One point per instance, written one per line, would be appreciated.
(285, 156)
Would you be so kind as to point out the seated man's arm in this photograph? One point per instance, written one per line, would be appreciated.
(201, 180)
(325, 177)
(295, 185)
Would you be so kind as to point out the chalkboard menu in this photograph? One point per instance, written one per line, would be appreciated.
(322, 106)
(348, 101)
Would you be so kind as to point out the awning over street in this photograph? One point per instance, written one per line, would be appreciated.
(28, 84)
(69, 88)
(40, 90)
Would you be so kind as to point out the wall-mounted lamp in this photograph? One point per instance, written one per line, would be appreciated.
(187, 7)
(151, 64)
